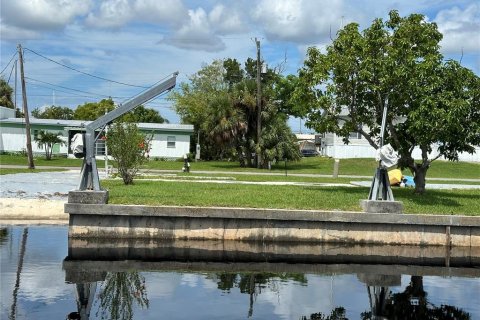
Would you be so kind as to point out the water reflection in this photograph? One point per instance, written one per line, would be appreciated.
(411, 303)
(336, 314)
(119, 292)
(230, 280)
(253, 283)
(262, 267)
(21, 255)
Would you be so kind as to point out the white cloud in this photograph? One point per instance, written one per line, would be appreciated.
(112, 14)
(29, 16)
(141, 41)
(196, 34)
(154, 11)
(227, 20)
(118, 13)
(460, 29)
(13, 33)
(300, 21)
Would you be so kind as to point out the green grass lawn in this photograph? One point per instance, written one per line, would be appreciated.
(284, 197)
(247, 177)
(17, 170)
(310, 165)
(321, 165)
(40, 161)
(268, 196)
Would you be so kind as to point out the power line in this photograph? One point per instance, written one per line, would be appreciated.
(63, 96)
(9, 62)
(85, 73)
(10, 75)
(56, 85)
(73, 94)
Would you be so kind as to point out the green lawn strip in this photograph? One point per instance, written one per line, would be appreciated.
(321, 165)
(284, 197)
(6, 159)
(449, 169)
(275, 178)
(249, 177)
(199, 166)
(453, 182)
(19, 170)
(311, 165)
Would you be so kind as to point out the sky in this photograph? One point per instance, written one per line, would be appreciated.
(140, 42)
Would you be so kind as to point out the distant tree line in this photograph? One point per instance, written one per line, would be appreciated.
(93, 110)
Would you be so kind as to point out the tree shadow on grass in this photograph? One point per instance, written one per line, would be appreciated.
(433, 198)
(278, 167)
(439, 201)
(343, 190)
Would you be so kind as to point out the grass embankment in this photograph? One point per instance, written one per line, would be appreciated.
(284, 197)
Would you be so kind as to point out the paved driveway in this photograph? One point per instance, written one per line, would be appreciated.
(51, 185)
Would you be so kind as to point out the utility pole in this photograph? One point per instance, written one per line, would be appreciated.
(106, 149)
(15, 90)
(259, 104)
(31, 165)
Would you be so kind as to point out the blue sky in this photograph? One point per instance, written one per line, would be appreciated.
(140, 42)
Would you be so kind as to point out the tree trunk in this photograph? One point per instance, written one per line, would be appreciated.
(420, 177)
(48, 151)
(241, 156)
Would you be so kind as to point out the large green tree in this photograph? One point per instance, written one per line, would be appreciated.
(53, 112)
(433, 105)
(142, 114)
(94, 110)
(220, 101)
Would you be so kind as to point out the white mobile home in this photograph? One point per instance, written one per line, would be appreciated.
(331, 145)
(170, 141)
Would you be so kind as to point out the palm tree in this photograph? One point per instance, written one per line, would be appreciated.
(47, 140)
(224, 124)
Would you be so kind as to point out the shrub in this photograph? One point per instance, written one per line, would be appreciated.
(128, 147)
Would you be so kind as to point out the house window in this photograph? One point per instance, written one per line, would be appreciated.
(170, 141)
(355, 135)
(100, 147)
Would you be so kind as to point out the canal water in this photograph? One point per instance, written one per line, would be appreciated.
(44, 276)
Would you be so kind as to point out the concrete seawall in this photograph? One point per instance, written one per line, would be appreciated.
(193, 223)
